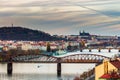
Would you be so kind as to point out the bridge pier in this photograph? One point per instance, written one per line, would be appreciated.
(89, 50)
(109, 50)
(9, 68)
(119, 50)
(59, 67)
(81, 50)
(99, 50)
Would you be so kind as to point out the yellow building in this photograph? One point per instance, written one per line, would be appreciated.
(104, 70)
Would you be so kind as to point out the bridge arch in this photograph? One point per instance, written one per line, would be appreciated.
(75, 58)
(35, 58)
(84, 58)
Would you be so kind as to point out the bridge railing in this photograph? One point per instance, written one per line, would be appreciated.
(99, 49)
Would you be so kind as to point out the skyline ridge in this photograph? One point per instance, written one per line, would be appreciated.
(26, 34)
(16, 26)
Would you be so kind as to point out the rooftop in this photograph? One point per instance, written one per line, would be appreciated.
(116, 63)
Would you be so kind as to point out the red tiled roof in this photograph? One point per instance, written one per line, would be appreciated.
(116, 63)
(105, 76)
(112, 75)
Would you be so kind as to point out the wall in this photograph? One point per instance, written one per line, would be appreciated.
(99, 70)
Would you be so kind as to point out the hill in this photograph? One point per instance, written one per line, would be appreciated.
(20, 33)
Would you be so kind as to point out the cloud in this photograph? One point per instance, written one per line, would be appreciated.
(62, 16)
(112, 13)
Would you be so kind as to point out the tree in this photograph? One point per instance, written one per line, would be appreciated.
(82, 44)
(69, 47)
(48, 47)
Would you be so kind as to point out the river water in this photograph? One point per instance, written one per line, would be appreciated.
(43, 71)
(48, 71)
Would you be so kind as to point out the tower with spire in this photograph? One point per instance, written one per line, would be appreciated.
(12, 25)
(79, 32)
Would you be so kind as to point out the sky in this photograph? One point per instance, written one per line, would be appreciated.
(63, 17)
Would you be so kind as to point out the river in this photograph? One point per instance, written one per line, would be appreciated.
(43, 71)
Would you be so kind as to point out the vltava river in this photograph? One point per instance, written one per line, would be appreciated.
(43, 71)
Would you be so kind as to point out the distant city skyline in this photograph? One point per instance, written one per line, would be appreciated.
(63, 17)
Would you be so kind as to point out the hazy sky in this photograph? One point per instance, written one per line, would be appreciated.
(63, 16)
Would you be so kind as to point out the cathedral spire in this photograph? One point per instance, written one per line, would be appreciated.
(83, 31)
(79, 32)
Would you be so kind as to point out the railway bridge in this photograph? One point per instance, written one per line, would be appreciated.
(41, 58)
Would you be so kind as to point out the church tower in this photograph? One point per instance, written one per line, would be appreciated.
(79, 33)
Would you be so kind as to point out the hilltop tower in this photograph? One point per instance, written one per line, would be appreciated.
(12, 25)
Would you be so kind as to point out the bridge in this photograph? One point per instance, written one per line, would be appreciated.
(74, 58)
(40, 58)
(83, 56)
